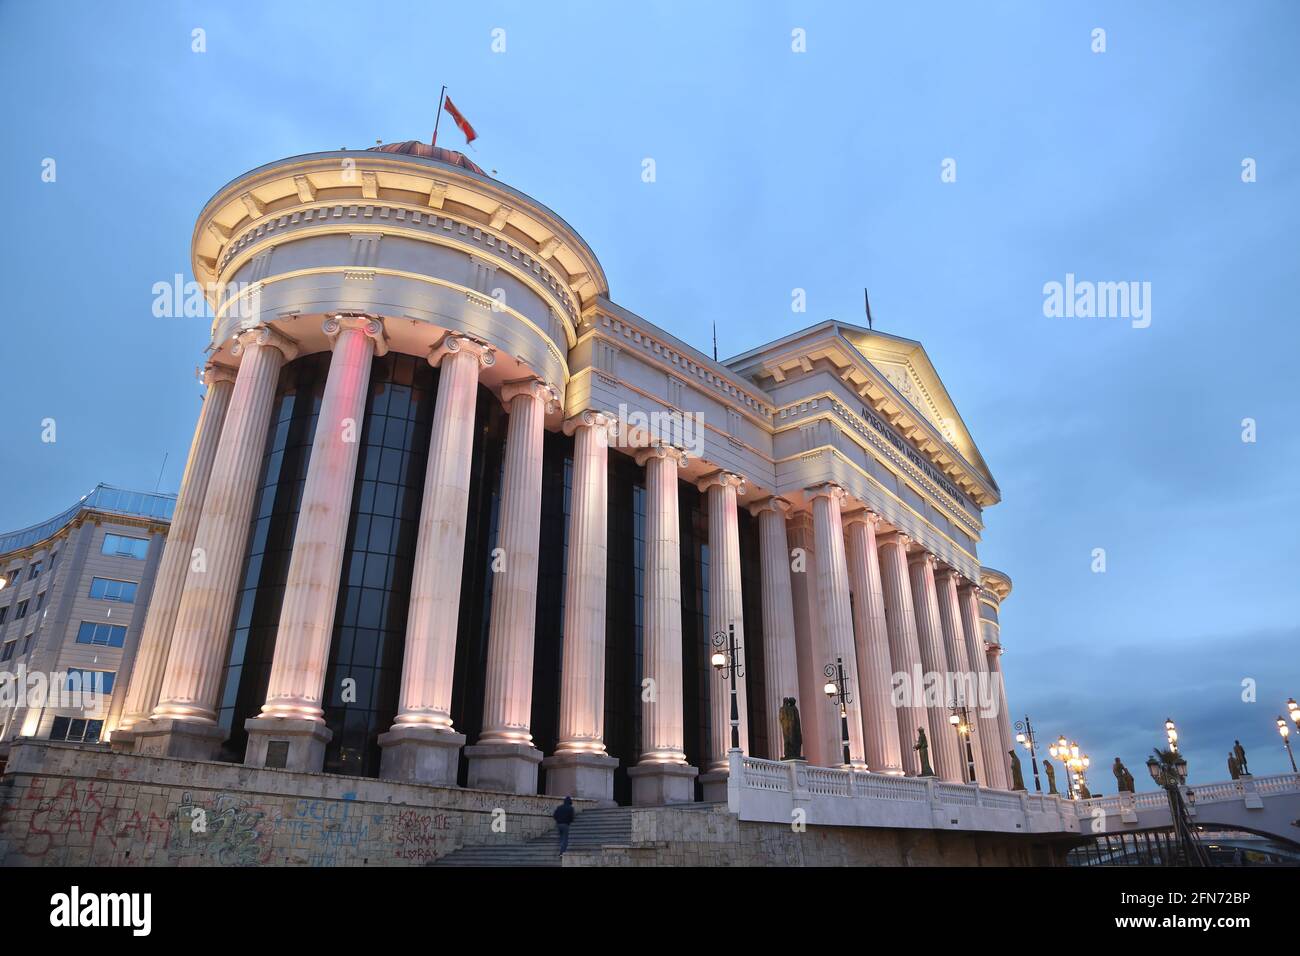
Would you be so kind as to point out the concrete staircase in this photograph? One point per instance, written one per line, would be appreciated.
(591, 830)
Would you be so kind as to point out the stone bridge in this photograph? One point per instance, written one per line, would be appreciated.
(1269, 806)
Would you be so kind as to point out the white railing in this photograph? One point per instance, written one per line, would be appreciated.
(1197, 796)
(773, 790)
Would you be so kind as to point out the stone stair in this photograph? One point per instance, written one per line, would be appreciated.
(591, 830)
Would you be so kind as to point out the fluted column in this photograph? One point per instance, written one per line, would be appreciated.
(156, 638)
(725, 611)
(580, 766)
(662, 774)
(821, 728)
(504, 757)
(904, 649)
(990, 698)
(183, 723)
(837, 613)
(929, 633)
(292, 713)
(994, 654)
(780, 670)
(965, 679)
(871, 636)
(423, 745)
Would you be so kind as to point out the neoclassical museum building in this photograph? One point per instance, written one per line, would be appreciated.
(453, 516)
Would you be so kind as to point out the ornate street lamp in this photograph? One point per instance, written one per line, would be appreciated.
(1061, 751)
(1285, 731)
(1292, 708)
(960, 720)
(837, 689)
(729, 661)
(1171, 734)
(1169, 770)
(1025, 737)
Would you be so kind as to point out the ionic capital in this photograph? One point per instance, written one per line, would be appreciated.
(922, 557)
(897, 538)
(587, 419)
(651, 452)
(775, 504)
(214, 373)
(945, 571)
(535, 389)
(265, 335)
(453, 344)
(367, 325)
(866, 516)
(830, 489)
(723, 479)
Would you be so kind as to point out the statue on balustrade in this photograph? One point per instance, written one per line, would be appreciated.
(1123, 779)
(791, 731)
(923, 748)
(1084, 792)
(1051, 776)
(1234, 766)
(1017, 777)
(1240, 751)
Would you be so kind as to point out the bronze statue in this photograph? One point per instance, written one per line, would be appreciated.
(1240, 752)
(923, 748)
(1234, 766)
(1017, 778)
(1123, 779)
(791, 731)
(1051, 776)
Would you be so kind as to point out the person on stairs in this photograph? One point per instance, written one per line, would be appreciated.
(564, 815)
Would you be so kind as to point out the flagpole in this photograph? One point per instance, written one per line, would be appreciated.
(439, 116)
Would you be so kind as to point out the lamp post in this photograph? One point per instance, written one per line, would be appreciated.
(1169, 770)
(1061, 751)
(1171, 734)
(729, 661)
(837, 690)
(1292, 709)
(960, 720)
(1025, 737)
(1285, 731)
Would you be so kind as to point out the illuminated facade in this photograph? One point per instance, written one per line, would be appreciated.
(452, 515)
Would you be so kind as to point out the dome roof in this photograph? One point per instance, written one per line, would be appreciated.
(414, 147)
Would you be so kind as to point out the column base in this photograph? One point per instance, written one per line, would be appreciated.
(715, 786)
(583, 776)
(122, 741)
(184, 739)
(500, 766)
(280, 743)
(421, 755)
(659, 784)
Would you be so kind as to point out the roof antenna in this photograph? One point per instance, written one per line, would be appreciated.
(867, 298)
(158, 484)
(715, 340)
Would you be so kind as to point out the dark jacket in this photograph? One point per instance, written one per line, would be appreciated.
(565, 813)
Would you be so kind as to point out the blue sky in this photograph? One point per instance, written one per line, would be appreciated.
(775, 170)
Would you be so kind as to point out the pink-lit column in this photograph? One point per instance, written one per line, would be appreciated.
(904, 649)
(156, 639)
(504, 757)
(989, 701)
(929, 632)
(837, 614)
(871, 635)
(820, 731)
(184, 722)
(994, 654)
(662, 775)
(422, 745)
(725, 611)
(292, 715)
(965, 681)
(580, 766)
(780, 669)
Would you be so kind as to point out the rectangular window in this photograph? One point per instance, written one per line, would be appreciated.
(76, 730)
(14, 577)
(4, 613)
(121, 546)
(21, 611)
(40, 600)
(105, 635)
(27, 644)
(80, 678)
(7, 652)
(108, 589)
(35, 571)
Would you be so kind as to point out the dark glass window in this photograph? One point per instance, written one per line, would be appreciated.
(108, 635)
(370, 618)
(121, 546)
(693, 524)
(751, 602)
(266, 568)
(76, 729)
(107, 589)
(7, 652)
(81, 679)
(552, 566)
(624, 610)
